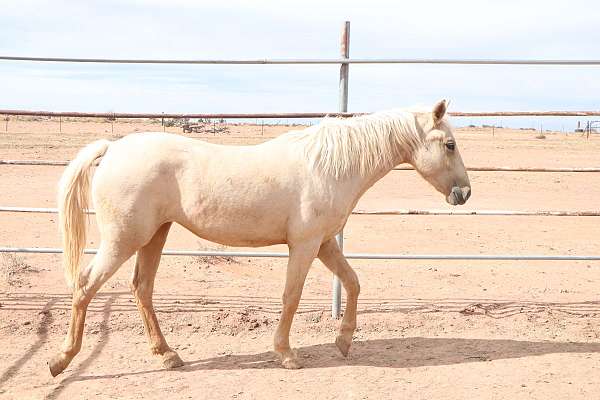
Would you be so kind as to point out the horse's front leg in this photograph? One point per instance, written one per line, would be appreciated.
(333, 258)
(301, 258)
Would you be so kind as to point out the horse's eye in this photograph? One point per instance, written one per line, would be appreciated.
(450, 145)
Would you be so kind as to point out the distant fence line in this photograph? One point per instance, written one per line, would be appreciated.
(116, 115)
(337, 61)
(61, 163)
(355, 256)
(539, 213)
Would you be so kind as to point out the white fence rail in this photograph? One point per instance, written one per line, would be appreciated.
(62, 163)
(406, 211)
(355, 256)
(337, 61)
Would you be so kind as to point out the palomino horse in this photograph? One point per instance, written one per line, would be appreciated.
(297, 189)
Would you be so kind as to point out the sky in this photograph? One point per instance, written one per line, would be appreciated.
(185, 29)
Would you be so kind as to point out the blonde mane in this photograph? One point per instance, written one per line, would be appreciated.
(346, 146)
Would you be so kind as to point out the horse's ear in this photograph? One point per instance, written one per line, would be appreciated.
(439, 110)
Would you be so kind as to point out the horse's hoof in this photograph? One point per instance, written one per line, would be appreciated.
(57, 364)
(291, 363)
(343, 345)
(172, 360)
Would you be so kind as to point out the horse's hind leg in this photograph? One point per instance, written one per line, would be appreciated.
(109, 258)
(142, 286)
(333, 258)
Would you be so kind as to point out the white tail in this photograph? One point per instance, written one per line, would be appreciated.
(73, 200)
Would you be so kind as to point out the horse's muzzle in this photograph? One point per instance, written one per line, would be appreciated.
(459, 196)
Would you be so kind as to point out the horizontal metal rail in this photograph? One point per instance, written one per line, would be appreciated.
(61, 163)
(262, 61)
(512, 169)
(356, 256)
(543, 213)
(35, 162)
(77, 114)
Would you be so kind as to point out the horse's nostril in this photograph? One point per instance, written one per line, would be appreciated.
(466, 192)
(457, 194)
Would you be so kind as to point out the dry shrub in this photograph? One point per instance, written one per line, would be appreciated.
(213, 260)
(235, 322)
(13, 268)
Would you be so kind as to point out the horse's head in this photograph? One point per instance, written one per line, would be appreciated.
(437, 157)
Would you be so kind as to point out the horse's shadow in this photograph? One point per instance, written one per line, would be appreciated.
(387, 353)
(401, 353)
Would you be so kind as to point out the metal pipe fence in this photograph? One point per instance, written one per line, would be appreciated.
(336, 61)
(344, 61)
(521, 213)
(354, 256)
(344, 114)
(63, 163)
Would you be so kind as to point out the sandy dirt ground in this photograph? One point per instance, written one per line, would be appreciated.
(426, 329)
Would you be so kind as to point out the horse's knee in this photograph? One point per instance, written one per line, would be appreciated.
(352, 285)
(357, 288)
(139, 280)
(141, 293)
(290, 301)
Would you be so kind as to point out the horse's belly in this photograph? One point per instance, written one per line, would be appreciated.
(237, 229)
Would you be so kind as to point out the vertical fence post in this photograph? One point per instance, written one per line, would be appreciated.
(336, 302)
(589, 129)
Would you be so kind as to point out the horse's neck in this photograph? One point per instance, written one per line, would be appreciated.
(366, 181)
(357, 176)
(402, 154)
(369, 180)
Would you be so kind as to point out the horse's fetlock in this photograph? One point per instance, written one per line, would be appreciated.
(70, 353)
(348, 328)
(281, 345)
(160, 349)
